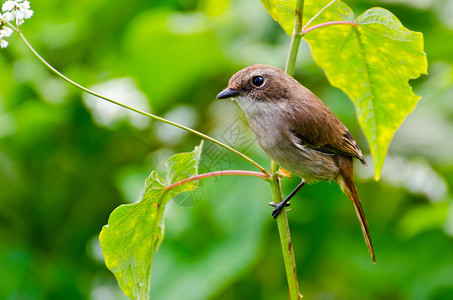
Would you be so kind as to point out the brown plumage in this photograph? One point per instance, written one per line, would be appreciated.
(297, 130)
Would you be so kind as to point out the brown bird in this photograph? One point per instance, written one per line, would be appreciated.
(298, 131)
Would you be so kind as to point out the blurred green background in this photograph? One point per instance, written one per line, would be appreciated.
(66, 160)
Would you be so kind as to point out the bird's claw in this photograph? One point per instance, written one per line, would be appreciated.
(273, 204)
(278, 207)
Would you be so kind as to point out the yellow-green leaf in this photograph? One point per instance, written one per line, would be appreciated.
(372, 63)
(371, 60)
(283, 12)
(135, 231)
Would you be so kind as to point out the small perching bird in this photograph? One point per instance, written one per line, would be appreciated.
(298, 131)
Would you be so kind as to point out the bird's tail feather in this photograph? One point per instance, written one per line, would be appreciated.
(346, 182)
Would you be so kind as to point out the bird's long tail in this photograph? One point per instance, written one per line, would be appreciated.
(346, 182)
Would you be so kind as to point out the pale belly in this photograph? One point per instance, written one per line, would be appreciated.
(299, 160)
(303, 162)
(272, 134)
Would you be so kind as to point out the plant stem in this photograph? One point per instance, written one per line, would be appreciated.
(137, 110)
(282, 219)
(285, 237)
(295, 41)
(219, 173)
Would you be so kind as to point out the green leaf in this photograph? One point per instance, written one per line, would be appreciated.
(135, 231)
(283, 12)
(371, 61)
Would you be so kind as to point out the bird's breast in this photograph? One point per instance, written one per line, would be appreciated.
(272, 133)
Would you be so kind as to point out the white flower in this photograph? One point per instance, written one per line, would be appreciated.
(18, 10)
(25, 5)
(8, 16)
(5, 32)
(3, 43)
(9, 5)
(22, 15)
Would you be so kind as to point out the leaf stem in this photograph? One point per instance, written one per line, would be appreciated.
(219, 173)
(305, 31)
(317, 14)
(137, 110)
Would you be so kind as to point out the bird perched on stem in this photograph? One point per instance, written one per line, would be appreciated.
(298, 131)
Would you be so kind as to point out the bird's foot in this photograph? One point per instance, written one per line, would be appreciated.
(278, 207)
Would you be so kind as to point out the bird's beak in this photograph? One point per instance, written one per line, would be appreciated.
(227, 93)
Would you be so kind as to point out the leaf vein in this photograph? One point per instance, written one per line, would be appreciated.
(370, 85)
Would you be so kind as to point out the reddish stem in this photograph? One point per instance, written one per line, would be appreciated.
(328, 24)
(219, 173)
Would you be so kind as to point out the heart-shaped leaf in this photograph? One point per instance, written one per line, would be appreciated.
(135, 231)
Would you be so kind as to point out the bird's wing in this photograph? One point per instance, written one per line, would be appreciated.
(322, 131)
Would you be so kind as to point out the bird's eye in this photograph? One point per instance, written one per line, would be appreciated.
(258, 80)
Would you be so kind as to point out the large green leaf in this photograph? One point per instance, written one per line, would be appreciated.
(283, 11)
(371, 61)
(135, 231)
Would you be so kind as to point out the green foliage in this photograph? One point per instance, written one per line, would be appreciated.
(372, 63)
(158, 41)
(135, 231)
(370, 60)
(283, 12)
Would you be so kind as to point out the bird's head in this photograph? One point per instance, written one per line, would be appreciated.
(260, 83)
